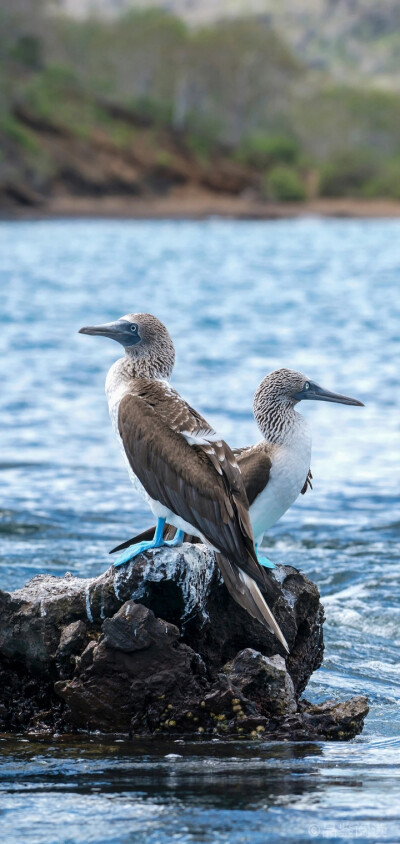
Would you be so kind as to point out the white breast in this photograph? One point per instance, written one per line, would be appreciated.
(290, 465)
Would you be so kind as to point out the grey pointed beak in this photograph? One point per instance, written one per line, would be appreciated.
(317, 393)
(109, 329)
(119, 331)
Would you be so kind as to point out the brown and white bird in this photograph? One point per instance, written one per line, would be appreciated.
(179, 464)
(277, 469)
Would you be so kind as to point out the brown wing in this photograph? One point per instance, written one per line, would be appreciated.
(307, 483)
(201, 483)
(255, 466)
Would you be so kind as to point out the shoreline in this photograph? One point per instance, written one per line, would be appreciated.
(200, 206)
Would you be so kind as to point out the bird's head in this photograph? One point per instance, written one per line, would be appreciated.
(280, 391)
(289, 387)
(145, 340)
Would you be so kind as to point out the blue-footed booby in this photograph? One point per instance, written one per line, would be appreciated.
(188, 475)
(277, 469)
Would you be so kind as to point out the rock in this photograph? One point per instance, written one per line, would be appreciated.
(127, 679)
(264, 680)
(338, 721)
(72, 641)
(159, 646)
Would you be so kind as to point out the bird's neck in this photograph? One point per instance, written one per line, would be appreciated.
(148, 366)
(122, 373)
(277, 420)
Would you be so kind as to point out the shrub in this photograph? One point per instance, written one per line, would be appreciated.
(261, 150)
(283, 183)
(386, 183)
(348, 173)
(12, 129)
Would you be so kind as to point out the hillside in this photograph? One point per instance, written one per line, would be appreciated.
(141, 106)
(357, 40)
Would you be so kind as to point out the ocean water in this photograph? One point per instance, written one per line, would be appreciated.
(240, 299)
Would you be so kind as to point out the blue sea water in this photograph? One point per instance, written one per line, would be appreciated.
(240, 299)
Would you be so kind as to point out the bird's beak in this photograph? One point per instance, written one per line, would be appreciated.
(317, 393)
(119, 331)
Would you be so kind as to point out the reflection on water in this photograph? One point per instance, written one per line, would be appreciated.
(239, 299)
(161, 791)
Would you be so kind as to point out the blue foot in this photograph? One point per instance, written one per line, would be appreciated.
(264, 561)
(133, 550)
(177, 540)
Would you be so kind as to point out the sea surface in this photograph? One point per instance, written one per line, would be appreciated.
(240, 299)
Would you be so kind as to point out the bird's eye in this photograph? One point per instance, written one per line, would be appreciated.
(133, 327)
(307, 385)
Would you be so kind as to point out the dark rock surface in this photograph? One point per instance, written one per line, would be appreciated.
(159, 645)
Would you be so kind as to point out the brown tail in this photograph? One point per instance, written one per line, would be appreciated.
(246, 592)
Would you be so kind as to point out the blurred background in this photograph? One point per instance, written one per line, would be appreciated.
(267, 100)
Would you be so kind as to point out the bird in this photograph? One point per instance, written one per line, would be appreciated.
(179, 464)
(277, 469)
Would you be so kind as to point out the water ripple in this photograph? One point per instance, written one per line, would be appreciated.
(240, 299)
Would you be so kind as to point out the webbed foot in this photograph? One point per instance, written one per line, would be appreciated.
(133, 550)
(177, 540)
(264, 561)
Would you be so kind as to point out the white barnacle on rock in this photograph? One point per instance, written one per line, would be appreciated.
(102, 615)
(191, 569)
(88, 610)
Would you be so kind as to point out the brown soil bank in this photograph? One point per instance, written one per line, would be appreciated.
(200, 205)
(160, 647)
(141, 171)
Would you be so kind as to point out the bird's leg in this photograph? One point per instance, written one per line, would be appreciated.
(134, 550)
(177, 540)
(264, 561)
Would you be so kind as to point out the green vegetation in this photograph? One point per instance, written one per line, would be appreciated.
(262, 150)
(17, 133)
(231, 91)
(386, 182)
(283, 183)
(348, 174)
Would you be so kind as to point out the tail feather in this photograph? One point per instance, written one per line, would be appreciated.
(246, 592)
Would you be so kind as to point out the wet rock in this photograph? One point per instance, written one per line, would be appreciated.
(127, 679)
(159, 645)
(265, 680)
(72, 642)
(338, 721)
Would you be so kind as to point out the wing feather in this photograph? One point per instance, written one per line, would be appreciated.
(307, 483)
(182, 476)
(255, 466)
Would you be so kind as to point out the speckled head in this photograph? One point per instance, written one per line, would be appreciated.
(145, 340)
(281, 390)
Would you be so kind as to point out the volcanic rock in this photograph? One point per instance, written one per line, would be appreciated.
(159, 645)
